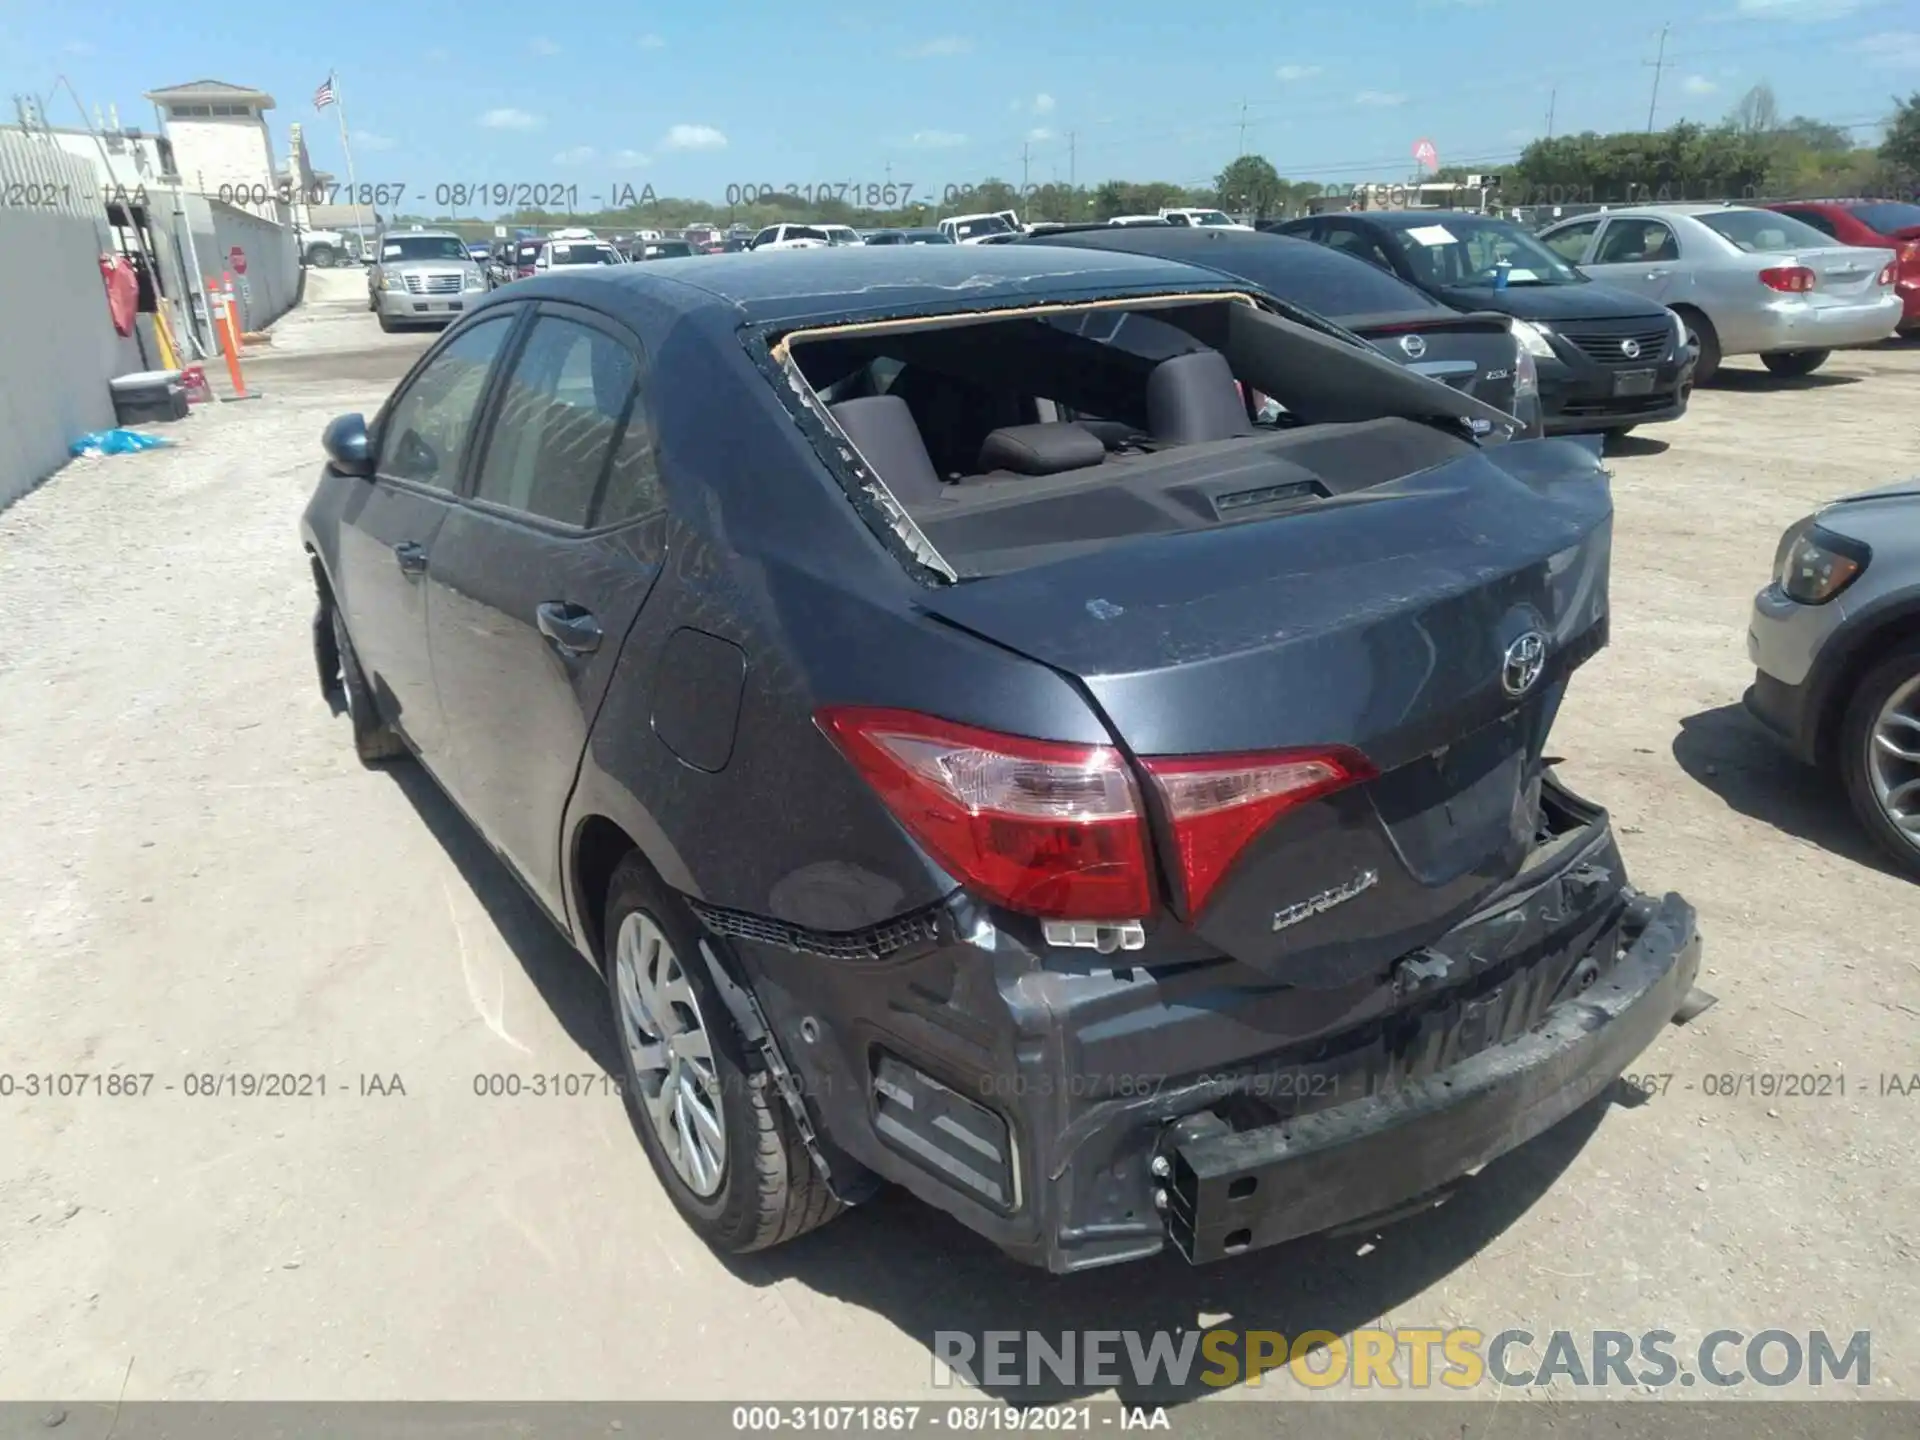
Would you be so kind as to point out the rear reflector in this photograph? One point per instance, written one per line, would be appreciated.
(1788, 279)
(963, 1143)
(1044, 828)
(1216, 804)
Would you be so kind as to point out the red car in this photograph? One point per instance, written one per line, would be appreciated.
(1886, 224)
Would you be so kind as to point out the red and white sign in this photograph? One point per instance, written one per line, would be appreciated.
(237, 258)
(1424, 152)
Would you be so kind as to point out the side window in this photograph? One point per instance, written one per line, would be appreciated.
(1571, 243)
(1350, 240)
(767, 236)
(1631, 242)
(561, 415)
(1817, 220)
(424, 437)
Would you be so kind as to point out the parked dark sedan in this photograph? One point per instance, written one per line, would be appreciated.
(1477, 354)
(1609, 360)
(1082, 825)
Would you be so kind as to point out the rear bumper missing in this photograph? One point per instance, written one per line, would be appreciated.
(1233, 1192)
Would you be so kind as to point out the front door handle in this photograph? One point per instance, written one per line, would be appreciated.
(569, 629)
(412, 557)
(1658, 274)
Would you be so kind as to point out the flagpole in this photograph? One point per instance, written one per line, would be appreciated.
(340, 109)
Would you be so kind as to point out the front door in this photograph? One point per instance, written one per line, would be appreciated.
(538, 578)
(1642, 256)
(391, 528)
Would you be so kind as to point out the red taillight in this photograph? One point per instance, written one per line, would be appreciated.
(1040, 827)
(1216, 804)
(1789, 279)
(1886, 274)
(1910, 253)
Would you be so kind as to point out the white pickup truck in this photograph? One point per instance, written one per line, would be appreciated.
(1211, 219)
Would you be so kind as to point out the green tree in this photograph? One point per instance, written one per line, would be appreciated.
(1900, 150)
(1249, 183)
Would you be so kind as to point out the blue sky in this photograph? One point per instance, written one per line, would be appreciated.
(694, 98)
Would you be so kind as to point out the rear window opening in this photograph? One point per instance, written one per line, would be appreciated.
(1019, 438)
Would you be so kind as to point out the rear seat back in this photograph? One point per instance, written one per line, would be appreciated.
(1193, 398)
(882, 430)
(1049, 448)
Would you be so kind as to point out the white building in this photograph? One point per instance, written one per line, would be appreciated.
(220, 143)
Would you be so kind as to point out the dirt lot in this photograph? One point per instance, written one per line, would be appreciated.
(198, 877)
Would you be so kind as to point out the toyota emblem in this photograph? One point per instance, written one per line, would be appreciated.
(1630, 348)
(1525, 659)
(1414, 345)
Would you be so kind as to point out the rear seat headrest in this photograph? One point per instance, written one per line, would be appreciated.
(1046, 449)
(882, 430)
(1193, 398)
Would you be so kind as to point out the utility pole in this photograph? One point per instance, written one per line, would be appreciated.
(1071, 137)
(1025, 146)
(1553, 98)
(1659, 63)
(1243, 131)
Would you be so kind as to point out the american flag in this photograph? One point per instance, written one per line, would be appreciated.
(323, 97)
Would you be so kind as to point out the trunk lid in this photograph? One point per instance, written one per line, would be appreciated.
(1841, 272)
(1382, 620)
(1475, 354)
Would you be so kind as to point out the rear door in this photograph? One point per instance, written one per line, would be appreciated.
(539, 576)
(390, 533)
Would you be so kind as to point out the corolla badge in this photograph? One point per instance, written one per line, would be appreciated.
(1520, 668)
(1414, 345)
(1319, 904)
(1630, 348)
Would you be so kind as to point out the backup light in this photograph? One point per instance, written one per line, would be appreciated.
(1788, 279)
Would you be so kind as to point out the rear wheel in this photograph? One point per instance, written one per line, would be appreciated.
(713, 1124)
(322, 257)
(373, 739)
(1880, 756)
(1700, 332)
(1794, 362)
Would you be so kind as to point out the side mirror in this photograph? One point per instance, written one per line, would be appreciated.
(348, 447)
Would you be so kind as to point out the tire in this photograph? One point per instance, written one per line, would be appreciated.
(1892, 686)
(1700, 329)
(764, 1190)
(387, 325)
(1793, 363)
(374, 740)
(322, 257)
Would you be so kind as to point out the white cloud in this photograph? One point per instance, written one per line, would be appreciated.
(507, 118)
(941, 45)
(81, 48)
(1291, 73)
(1891, 50)
(1043, 104)
(576, 155)
(368, 140)
(1380, 97)
(1699, 85)
(541, 45)
(693, 137)
(1040, 132)
(651, 41)
(935, 139)
(628, 160)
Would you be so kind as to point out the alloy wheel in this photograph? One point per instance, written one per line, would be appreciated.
(671, 1054)
(1893, 760)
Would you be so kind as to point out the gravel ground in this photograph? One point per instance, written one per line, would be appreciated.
(199, 878)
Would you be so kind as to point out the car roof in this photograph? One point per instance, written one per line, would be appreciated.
(776, 287)
(1401, 219)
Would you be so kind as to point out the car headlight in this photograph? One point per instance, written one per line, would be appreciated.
(1679, 332)
(1532, 336)
(476, 280)
(1526, 373)
(1813, 565)
(390, 280)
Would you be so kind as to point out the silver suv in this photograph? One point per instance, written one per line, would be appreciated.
(423, 276)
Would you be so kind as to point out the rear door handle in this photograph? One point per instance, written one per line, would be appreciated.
(569, 629)
(412, 557)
